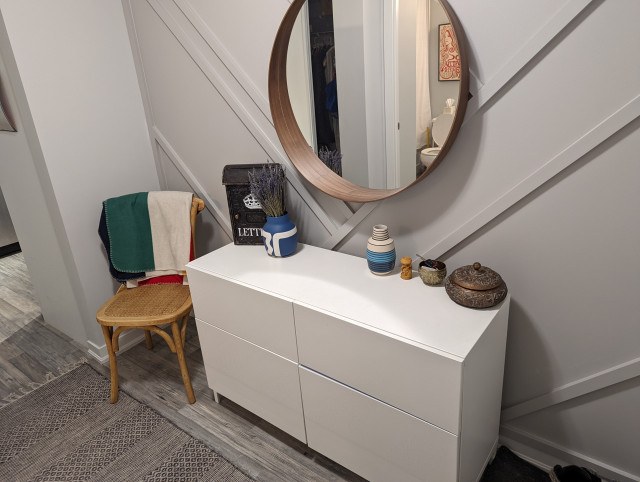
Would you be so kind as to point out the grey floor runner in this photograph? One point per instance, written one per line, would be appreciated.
(67, 430)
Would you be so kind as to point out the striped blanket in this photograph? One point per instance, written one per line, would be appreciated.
(147, 235)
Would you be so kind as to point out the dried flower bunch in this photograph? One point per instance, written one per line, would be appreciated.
(332, 158)
(268, 186)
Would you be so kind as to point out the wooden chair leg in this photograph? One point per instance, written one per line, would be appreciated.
(183, 329)
(113, 365)
(147, 340)
(184, 371)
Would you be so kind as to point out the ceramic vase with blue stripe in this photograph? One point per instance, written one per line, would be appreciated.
(381, 251)
(280, 236)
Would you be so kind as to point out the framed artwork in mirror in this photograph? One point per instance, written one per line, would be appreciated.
(449, 67)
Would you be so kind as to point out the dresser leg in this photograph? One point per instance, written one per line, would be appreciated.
(216, 397)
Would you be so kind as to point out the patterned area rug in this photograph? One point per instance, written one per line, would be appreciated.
(67, 430)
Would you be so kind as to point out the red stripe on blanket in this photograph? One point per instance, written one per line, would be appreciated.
(169, 278)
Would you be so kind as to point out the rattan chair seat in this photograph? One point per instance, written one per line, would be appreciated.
(147, 301)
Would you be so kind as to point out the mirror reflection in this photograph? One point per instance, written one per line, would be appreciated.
(374, 86)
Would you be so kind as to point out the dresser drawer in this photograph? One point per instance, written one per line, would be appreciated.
(373, 439)
(264, 383)
(255, 316)
(413, 379)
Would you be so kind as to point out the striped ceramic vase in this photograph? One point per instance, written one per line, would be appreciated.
(381, 251)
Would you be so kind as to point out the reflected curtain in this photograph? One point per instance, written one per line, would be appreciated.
(423, 97)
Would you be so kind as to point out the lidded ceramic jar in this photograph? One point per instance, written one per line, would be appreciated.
(476, 286)
(381, 251)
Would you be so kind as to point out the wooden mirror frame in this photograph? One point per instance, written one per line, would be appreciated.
(296, 146)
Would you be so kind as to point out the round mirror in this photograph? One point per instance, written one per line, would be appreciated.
(367, 96)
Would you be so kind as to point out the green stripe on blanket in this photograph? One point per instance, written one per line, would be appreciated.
(129, 231)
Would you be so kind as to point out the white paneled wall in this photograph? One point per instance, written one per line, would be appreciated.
(498, 29)
(543, 184)
(241, 31)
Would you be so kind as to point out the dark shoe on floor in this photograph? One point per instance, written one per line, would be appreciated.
(573, 473)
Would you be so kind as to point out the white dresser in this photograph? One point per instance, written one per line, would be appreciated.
(388, 377)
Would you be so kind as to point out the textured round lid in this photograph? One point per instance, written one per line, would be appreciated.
(441, 128)
(476, 277)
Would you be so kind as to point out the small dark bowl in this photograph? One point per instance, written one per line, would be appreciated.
(432, 272)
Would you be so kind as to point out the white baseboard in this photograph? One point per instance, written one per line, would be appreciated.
(540, 459)
(127, 340)
(545, 454)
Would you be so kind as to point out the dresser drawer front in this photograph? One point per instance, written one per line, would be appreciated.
(264, 383)
(252, 315)
(415, 380)
(371, 438)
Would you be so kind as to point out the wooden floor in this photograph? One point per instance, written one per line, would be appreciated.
(31, 352)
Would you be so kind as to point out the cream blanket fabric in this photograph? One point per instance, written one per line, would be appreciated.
(169, 215)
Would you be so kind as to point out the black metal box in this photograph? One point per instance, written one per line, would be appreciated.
(247, 216)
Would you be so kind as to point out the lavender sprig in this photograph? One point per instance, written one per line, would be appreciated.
(268, 186)
(332, 158)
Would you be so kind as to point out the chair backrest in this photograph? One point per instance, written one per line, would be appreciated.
(197, 205)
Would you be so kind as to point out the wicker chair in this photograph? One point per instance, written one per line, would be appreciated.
(147, 307)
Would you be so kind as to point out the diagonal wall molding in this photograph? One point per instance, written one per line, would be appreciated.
(189, 177)
(526, 54)
(351, 223)
(578, 388)
(589, 141)
(245, 99)
(490, 88)
(222, 80)
(225, 56)
(244, 80)
(142, 80)
(247, 102)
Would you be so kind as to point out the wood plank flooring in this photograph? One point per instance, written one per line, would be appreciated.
(31, 352)
(18, 305)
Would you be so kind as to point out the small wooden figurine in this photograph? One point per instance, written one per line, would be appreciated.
(406, 272)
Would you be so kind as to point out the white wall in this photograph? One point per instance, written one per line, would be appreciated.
(76, 69)
(31, 202)
(542, 184)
